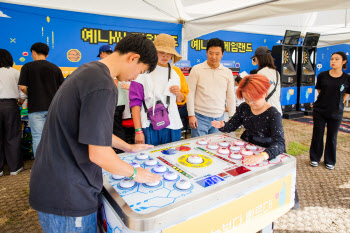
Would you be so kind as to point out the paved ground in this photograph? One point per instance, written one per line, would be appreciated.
(324, 195)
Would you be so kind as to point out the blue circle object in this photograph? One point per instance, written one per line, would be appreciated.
(169, 152)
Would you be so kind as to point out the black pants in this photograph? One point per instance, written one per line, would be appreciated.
(117, 124)
(10, 135)
(316, 149)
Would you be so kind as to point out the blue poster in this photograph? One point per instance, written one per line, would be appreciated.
(307, 94)
(289, 95)
(73, 38)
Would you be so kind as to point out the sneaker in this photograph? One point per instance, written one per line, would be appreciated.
(2, 173)
(313, 164)
(16, 172)
(330, 167)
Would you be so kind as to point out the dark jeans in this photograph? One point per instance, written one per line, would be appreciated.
(316, 149)
(10, 135)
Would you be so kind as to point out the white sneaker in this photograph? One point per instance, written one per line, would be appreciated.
(313, 164)
(2, 173)
(16, 172)
(330, 167)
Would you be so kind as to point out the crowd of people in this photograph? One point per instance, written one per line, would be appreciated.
(76, 124)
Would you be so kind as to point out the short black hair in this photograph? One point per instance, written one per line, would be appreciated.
(216, 42)
(139, 44)
(6, 59)
(345, 58)
(40, 48)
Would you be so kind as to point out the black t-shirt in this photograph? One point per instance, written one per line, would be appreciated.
(264, 130)
(63, 179)
(330, 100)
(42, 79)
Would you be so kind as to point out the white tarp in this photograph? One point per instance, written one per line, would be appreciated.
(200, 17)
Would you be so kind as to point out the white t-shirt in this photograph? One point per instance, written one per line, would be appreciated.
(275, 99)
(160, 75)
(9, 84)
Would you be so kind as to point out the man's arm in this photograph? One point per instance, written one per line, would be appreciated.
(23, 89)
(106, 158)
(192, 85)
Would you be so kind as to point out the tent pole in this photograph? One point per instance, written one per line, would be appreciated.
(184, 45)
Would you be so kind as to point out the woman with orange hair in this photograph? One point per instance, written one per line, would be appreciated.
(262, 122)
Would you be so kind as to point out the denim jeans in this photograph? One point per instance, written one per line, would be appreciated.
(204, 125)
(158, 137)
(36, 123)
(51, 223)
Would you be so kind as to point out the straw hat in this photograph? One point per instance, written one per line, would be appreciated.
(166, 43)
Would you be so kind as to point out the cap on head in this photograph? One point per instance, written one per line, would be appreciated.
(104, 48)
(262, 50)
(166, 43)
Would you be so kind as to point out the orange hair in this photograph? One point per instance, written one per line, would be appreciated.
(254, 86)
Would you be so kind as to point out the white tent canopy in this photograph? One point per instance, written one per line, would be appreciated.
(199, 17)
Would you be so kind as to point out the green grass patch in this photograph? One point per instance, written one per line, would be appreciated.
(26, 193)
(297, 148)
(9, 220)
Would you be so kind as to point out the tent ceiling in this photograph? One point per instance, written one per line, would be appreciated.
(200, 17)
(334, 25)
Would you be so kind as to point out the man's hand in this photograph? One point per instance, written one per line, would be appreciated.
(253, 159)
(145, 176)
(193, 122)
(133, 148)
(139, 138)
(20, 102)
(175, 90)
(218, 124)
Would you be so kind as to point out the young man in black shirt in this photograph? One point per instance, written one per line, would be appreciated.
(77, 140)
(40, 80)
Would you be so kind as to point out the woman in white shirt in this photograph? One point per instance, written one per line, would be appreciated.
(263, 58)
(148, 89)
(10, 118)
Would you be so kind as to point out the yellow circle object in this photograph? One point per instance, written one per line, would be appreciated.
(207, 161)
(74, 55)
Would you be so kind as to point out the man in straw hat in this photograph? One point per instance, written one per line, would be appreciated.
(77, 141)
(162, 84)
(211, 87)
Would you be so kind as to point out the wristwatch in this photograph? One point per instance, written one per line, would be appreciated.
(133, 175)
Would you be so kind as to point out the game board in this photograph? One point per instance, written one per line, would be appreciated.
(191, 169)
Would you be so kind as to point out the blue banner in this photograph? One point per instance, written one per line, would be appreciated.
(239, 47)
(74, 38)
